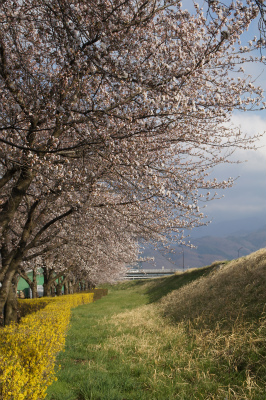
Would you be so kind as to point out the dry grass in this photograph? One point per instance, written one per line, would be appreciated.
(194, 364)
(162, 352)
(235, 290)
(224, 315)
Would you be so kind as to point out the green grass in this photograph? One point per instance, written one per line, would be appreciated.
(167, 338)
(159, 289)
(87, 371)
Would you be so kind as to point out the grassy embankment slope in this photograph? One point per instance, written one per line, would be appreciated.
(198, 335)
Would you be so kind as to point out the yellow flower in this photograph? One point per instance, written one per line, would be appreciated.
(28, 350)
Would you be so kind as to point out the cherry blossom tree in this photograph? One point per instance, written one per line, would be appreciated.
(217, 6)
(96, 247)
(262, 22)
(120, 105)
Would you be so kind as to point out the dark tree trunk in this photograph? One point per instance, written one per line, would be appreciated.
(6, 291)
(32, 284)
(53, 290)
(76, 287)
(48, 282)
(47, 289)
(58, 289)
(66, 287)
(90, 285)
(60, 285)
(11, 305)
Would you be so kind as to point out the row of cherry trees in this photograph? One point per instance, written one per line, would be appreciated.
(112, 114)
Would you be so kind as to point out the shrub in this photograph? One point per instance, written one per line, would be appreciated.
(99, 293)
(29, 306)
(28, 350)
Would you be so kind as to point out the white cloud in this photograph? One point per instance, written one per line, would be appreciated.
(247, 197)
(252, 124)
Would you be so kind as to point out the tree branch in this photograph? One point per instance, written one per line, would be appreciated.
(7, 177)
(47, 226)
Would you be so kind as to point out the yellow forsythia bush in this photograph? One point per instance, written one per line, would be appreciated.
(28, 350)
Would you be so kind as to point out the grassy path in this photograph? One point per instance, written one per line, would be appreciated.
(86, 372)
(120, 348)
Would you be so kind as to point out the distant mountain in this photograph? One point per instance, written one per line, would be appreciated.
(156, 260)
(229, 227)
(209, 249)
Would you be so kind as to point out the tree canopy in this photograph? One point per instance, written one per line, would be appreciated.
(112, 115)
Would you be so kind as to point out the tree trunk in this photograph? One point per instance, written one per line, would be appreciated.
(70, 287)
(5, 290)
(53, 290)
(58, 289)
(90, 285)
(47, 288)
(49, 285)
(76, 287)
(32, 284)
(48, 282)
(34, 291)
(66, 287)
(11, 305)
(60, 285)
